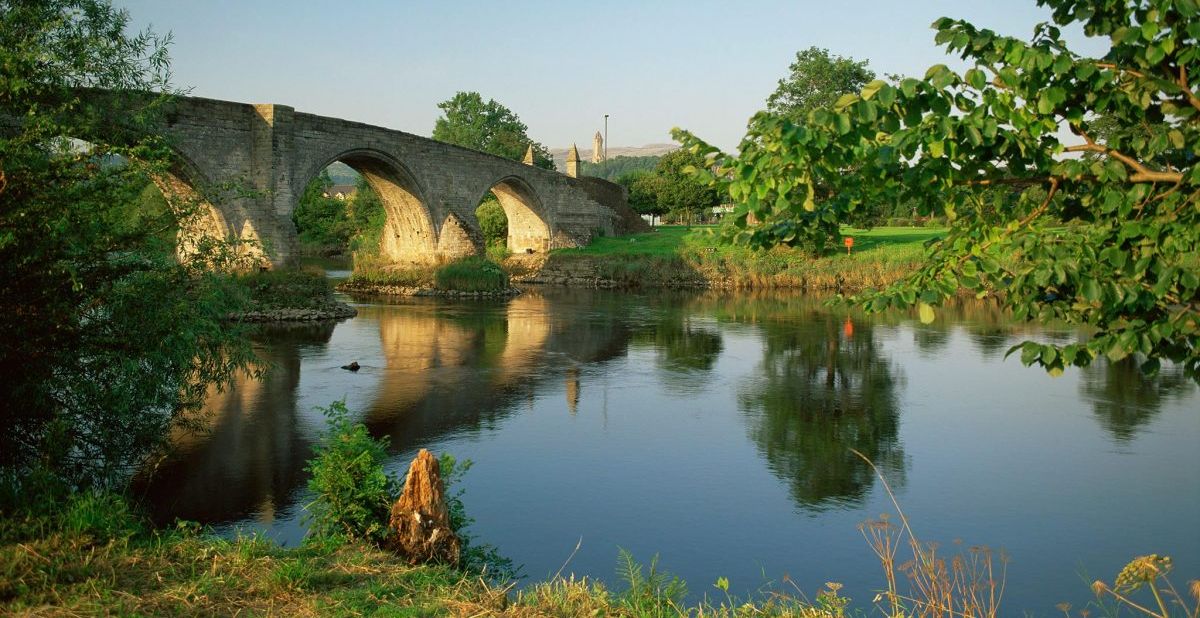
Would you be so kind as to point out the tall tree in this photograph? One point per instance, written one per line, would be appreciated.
(488, 126)
(816, 79)
(1110, 241)
(106, 340)
(678, 190)
(642, 188)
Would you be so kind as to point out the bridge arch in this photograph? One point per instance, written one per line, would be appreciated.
(195, 199)
(528, 223)
(409, 234)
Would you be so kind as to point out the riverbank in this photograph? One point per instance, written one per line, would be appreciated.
(680, 257)
(98, 558)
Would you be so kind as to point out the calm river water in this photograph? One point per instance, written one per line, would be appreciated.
(714, 430)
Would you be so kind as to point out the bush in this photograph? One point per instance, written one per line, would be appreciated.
(493, 222)
(353, 494)
(471, 275)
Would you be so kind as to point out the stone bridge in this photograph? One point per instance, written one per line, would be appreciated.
(251, 163)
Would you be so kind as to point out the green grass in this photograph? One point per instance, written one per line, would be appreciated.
(670, 240)
(96, 556)
(676, 255)
(92, 554)
(662, 242)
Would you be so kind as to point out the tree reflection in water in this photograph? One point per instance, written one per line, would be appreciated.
(1124, 400)
(250, 454)
(823, 388)
(686, 344)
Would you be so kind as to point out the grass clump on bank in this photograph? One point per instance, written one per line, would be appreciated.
(675, 255)
(99, 558)
(473, 274)
(285, 289)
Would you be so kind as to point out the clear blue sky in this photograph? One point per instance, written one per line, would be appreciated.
(702, 65)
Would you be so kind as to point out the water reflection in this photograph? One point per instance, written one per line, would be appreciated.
(685, 340)
(811, 383)
(1124, 400)
(251, 454)
(824, 387)
(450, 369)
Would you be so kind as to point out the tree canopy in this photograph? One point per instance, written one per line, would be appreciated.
(468, 121)
(1110, 241)
(816, 79)
(678, 191)
(642, 188)
(107, 340)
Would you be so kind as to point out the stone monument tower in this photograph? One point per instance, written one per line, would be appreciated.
(573, 162)
(597, 148)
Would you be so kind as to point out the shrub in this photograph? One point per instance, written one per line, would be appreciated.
(493, 222)
(352, 493)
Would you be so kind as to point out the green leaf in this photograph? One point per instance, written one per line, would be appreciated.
(1062, 64)
(843, 123)
(844, 101)
(976, 78)
(868, 91)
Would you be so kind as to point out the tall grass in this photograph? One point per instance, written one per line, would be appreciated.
(473, 274)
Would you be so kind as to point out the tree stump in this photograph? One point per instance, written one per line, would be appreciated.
(420, 521)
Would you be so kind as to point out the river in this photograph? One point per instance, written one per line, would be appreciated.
(714, 429)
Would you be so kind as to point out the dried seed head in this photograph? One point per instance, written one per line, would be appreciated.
(1142, 570)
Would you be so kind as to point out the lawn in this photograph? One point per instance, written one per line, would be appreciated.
(671, 239)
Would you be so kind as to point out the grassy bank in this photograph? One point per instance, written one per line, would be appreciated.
(98, 558)
(673, 255)
(472, 274)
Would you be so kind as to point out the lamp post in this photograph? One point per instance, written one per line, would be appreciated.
(606, 138)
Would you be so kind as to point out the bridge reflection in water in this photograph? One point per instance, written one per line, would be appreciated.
(444, 369)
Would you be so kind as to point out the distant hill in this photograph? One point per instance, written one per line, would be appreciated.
(342, 174)
(585, 152)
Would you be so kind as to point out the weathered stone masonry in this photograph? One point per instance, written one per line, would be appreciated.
(252, 162)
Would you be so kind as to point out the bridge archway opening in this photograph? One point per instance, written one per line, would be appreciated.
(176, 203)
(365, 204)
(511, 218)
